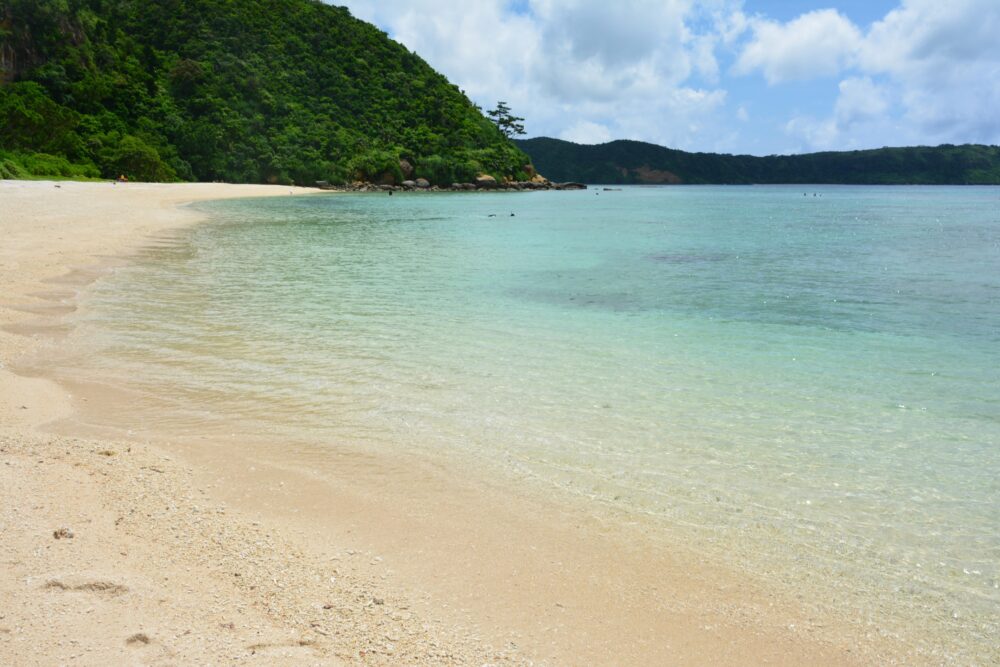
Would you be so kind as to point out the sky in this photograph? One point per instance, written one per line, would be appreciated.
(733, 76)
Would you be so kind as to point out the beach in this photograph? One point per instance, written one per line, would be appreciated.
(208, 552)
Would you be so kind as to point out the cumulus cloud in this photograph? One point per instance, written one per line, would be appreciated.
(637, 68)
(678, 72)
(945, 57)
(819, 43)
(818, 134)
(586, 132)
(860, 99)
(928, 71)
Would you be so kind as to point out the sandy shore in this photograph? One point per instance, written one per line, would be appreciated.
(205, 553)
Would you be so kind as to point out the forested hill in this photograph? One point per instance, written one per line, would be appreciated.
(621, 162)
(276, 91)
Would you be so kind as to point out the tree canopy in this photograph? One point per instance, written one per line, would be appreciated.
(274, 91)
(509, 124)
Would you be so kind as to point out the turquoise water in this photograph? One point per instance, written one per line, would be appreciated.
(809, 385)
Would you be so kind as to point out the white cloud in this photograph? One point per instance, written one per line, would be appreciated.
(816, 134)
(819, 43)
(635, 67)
(945, 58)
(586, 132)
(921, 32)
(860, 99)
(659, 70)
(937, 65)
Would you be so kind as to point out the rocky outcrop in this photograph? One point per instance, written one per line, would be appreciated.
(386, 178)
(487, 184)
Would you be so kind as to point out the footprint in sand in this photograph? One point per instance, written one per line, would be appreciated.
(139, 639)
(99, 587)
(285, 649)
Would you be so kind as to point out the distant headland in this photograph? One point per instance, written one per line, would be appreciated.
(636, 162)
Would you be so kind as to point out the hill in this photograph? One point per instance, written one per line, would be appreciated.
(621, 162)
(271, 91)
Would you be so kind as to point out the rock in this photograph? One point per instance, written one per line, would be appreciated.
(409, 184)
(138, 638)
(456, 186)
(63, 533)
(386, 178)
(486, 182)
(406, 168)
(423, 183)
(468, 186)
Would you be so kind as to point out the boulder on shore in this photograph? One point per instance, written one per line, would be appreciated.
(486, 182)
(423, 183)
(409, 184)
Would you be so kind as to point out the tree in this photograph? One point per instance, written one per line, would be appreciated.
(184, 79)
(509, 124)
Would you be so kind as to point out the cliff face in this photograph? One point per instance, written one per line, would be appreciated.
(7, 61)
(238, 90)
(27, 30)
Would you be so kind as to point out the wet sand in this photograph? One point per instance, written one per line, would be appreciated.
(242, 552)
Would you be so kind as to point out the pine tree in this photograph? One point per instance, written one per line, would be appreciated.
(508, 123)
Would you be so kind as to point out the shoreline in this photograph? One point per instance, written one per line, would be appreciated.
(466, 571)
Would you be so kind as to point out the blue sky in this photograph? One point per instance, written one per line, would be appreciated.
(740, 76)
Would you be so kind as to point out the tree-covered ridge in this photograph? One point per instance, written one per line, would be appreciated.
(274, 91)
(622, 162)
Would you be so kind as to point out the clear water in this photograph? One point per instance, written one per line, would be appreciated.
(809, 385)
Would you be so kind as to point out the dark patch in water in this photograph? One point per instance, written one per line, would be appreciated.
(687, 257)
(614, 301)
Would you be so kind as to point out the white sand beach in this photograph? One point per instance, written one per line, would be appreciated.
(178, 553)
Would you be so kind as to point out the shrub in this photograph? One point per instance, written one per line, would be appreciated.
(436, 169)
(376, 165)
(9, 169)
(138, 160)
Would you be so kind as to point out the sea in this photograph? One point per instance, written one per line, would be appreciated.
(803, 381)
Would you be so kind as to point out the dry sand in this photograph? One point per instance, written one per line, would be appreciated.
(211, 553)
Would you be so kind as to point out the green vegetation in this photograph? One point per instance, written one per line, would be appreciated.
(507, 122)
(289, 91)
(620, 162)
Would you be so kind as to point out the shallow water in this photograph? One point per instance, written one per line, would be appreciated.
(808, 385)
